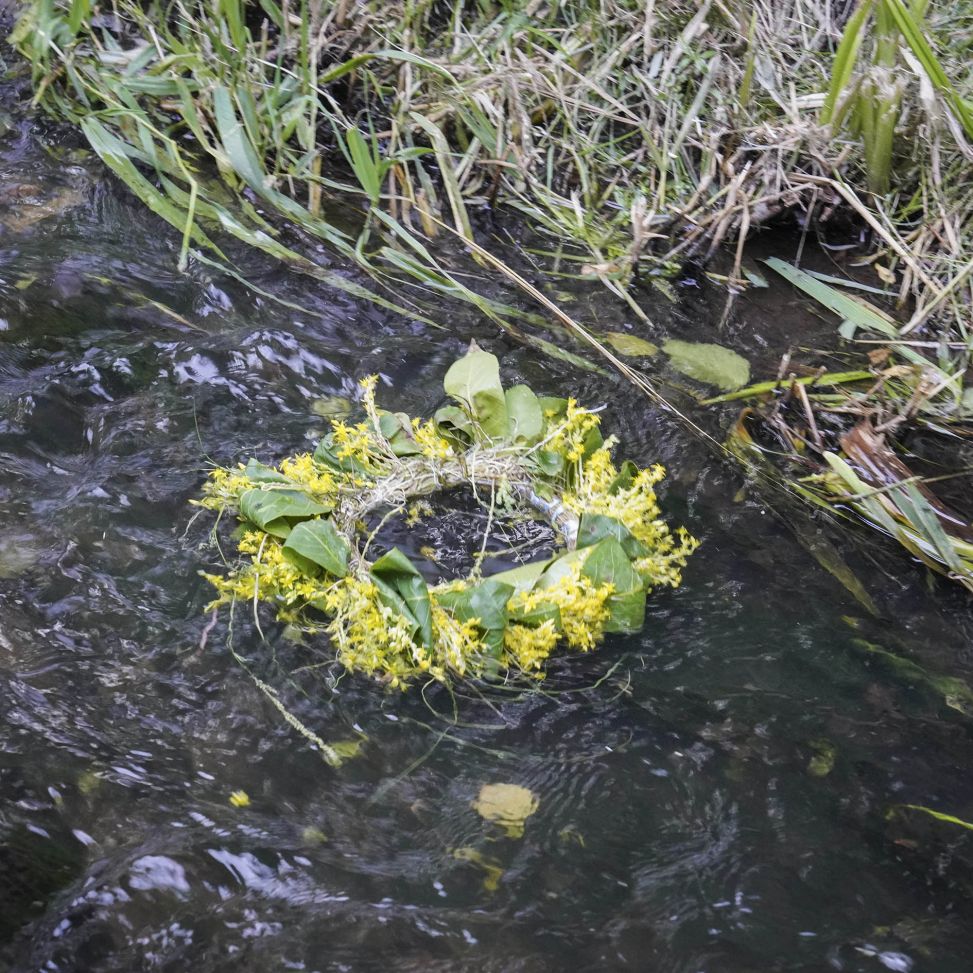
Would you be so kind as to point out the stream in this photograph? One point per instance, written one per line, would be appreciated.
(720, 793)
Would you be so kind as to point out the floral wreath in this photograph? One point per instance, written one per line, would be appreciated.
(302, 550)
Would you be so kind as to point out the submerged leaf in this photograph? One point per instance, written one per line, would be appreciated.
(822, 763)
(711, 364)
(631, 345)
(507, 805)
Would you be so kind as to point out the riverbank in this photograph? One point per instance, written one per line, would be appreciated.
(630, 137)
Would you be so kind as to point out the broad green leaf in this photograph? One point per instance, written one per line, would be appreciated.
(524, 415)
(596, 527)
(546, 611)
(318, 541)
(396, 427)
(609, 564)
(260, 473)
(560, 566)
(394, 574)
(271, 510)
(548, 462)
(474, 382)
(631, 345)
(711, 364)
(553, 407)
(593, 440)
(327, 454)
(486, 602)
(523, 578)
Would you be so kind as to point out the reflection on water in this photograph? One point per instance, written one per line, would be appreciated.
(712, 792)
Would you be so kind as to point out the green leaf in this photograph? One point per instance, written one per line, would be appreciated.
(549, 462)
(271, 510)
(404, 589)
(609, 564)
(554, 407)
(630, 345)
(239, 150)
(711, 364)
(925, 521)
(325, 453)
(474, 382)
(538, 615)
(596, 527)
(560, 566)
(524, 577)
(593, 440)
(912, 31)
(848, 307)
(447, 172)
(353, 63)
(396, 427)
(486, 602)
(524, 415)
(455, 426)
(260, 473)
(845, 57)
(625, 478)
(318, 541)
(366, 163)
(116, 155)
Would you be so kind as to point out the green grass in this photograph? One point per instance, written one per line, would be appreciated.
(632, 135)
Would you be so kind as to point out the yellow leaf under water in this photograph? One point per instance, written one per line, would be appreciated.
(507, 805)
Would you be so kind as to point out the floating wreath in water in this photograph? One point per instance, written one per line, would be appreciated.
(304, 550)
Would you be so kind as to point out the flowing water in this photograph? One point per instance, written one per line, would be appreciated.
(714, 793)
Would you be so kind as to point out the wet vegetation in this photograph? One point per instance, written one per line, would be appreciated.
(740, 232)
(626, 138)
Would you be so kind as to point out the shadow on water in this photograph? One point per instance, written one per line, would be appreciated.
(713, 792)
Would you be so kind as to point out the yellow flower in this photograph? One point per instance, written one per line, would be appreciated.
(240, 799)
(429, 441)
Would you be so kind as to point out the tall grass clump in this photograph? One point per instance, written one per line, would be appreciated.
(630, 135)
